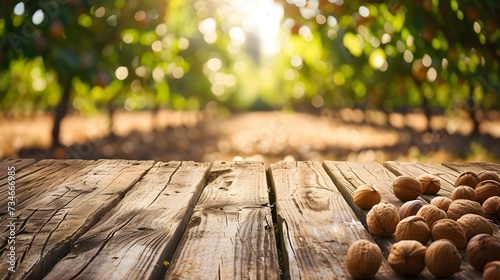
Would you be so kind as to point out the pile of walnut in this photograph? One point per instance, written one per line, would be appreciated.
(431, 235)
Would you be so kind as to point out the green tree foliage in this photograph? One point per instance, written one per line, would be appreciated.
(89, 55)
(402, 54)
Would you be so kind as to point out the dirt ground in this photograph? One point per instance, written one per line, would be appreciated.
(347, 134)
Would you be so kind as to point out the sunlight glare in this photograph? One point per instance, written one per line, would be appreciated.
(262, 18)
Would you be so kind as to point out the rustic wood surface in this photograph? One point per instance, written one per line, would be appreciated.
(119, 219)
(230, 235)
(57, 218)
(474, 166)
(134, 239)
(18, 163)
(317, 225)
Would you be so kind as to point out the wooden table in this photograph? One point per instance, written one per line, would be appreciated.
(124, 219)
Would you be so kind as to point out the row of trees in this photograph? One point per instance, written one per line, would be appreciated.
(88, 55)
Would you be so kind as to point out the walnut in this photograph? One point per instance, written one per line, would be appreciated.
(382, 219)
(406, 188)
(473, 224)
(366, 196)
(460, 207)
(407, 258)
(463, 192)
(441, 202)
(451, 230)
(410, 208)
(487, 189)
(430, 183)
(442, 259)
(431, 214)
(413, 228)
(491, 207)
(467, 178)
(488, 175)
(491, 270)
(363, 259)
(481, 249)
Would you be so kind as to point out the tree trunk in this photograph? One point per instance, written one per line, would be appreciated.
(472, 112)
(61, 110)
(427, 111)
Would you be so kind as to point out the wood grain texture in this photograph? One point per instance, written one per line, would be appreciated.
(18, 163)
(230, 234)
(446, 175)
(69, 207)
(43, 177)
(474, 166)
(134, 239)
(316, 223)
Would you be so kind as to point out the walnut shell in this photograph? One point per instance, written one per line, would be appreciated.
(382, 219)
(481, 249)
(463, 192)
(406, 188)
(430, 183)
(467, 178)
(410, 208)
(441, 202)
(451, 230)
(431, 214)
(366, 196)
(460, 207)
(442, 259)
(488, 175)
(363, 259)
(413, 228)
(407, 258)
(490, 207)
(473, 224)
(487, 189)
(491, 270)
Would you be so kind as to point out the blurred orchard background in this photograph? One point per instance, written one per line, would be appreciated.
(266, 80)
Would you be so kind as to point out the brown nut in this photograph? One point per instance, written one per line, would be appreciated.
(491, 271)
(451, 230)
(490, 207)
(430, 183)
(460, 207)
(431, 214)
(467, 178)
(413, 228)
(382, 219)
(407, 258)
(441, 202)
(473, 224)
(410, 208)
(363, 259)
(487, 189)
(463, 192)
(488, 175)
(406, 188)
(442, 259)
(481, 249)
(366, 196)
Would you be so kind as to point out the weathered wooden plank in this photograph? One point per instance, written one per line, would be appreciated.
(473, 166)
(42, 177)
(17, 163)
(230, 234)
(446, 175)
(134, 239)
(47, 228)
(317, 225)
